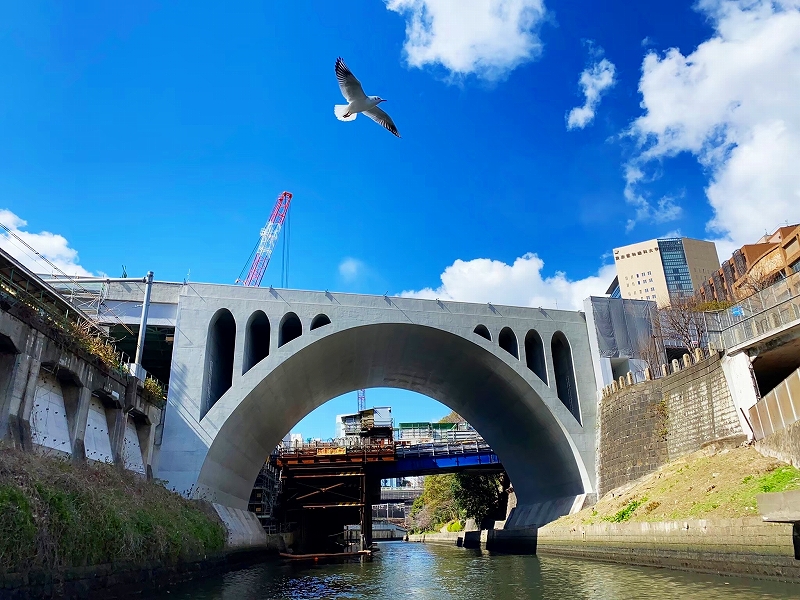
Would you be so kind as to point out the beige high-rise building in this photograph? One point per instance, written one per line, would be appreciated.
(664, 268)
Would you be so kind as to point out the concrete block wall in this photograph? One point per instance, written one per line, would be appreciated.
(646, 425)
(59, 400)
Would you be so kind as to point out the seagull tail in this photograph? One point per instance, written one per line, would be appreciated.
(340, 110)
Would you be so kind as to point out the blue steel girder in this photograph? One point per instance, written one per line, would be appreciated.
(409, 466)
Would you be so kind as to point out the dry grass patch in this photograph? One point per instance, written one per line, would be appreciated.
(701, 485)
(54, 514)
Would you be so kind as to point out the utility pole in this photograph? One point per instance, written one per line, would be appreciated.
(143, 322)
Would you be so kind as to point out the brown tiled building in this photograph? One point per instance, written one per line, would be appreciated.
(755, 266)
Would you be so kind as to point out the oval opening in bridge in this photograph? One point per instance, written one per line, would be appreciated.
(483, 332)
(219, 358)
(565, 374)
(508, 342)
(320, 321)
(256, 341)
(534, 355)
(291, 329)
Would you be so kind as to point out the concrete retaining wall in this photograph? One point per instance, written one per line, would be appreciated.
(516, 541)
(57, 398)
(745, 546)
(783, 445)
(243, 527)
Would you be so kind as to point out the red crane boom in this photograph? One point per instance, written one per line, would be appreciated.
(269, 235)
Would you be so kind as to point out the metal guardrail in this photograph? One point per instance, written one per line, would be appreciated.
(765, 312)
(443, 449)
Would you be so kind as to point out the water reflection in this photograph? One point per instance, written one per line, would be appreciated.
(426, 572)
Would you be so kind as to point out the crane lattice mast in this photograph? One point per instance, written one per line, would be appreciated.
(269, 235)
(362, 400)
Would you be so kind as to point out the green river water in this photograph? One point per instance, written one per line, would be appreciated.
(426, 571)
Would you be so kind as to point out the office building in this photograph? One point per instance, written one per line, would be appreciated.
(663, 269)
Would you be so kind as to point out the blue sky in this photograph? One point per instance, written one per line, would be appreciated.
(158, 135)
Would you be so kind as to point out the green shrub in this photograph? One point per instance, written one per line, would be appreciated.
(626, 512)
(455, 526)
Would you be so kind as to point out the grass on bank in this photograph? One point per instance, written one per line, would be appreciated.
(704, 484)
(54, 514)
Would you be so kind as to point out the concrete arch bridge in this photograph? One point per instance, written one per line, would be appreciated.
(249, 363)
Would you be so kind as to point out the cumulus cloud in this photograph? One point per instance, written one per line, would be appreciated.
(50, 246)
(594, 81)
(732, 103)
(351, 268)
(487, 38)
(517, 284)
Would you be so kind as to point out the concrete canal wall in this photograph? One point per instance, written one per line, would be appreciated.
(746, 546)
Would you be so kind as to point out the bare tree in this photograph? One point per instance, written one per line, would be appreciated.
(682, 321)
(650, 349)
(752, 283)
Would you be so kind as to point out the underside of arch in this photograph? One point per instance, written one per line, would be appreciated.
(508, 412)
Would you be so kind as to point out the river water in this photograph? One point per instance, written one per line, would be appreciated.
(426, 571)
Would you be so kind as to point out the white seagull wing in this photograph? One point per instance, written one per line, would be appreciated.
(381, 118)
(350, 86)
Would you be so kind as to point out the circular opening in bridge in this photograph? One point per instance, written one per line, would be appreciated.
(320, 321)
(483, 332)
(256, 343)
(508, 342)
(565, 374)
(534, 355)
(291, 329)
(219, 358)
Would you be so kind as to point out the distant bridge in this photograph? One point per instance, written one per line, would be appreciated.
(400, 494)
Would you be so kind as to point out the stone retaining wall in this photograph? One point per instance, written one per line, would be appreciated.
(645, 425)
(745, 546)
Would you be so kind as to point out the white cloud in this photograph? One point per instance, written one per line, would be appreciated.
(517, 284)
(487, 38)
(733, 104)
(350, 268)
(51, 246)
(594, 80)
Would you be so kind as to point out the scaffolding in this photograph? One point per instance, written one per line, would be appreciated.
(264, 496)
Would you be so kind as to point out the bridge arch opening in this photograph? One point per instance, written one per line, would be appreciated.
(534, 355)
(482, 331)
(256, 341)
(565, 374)
(220, 347)
(291, 329)
(320, 321)
(485, 387)
(508, 342)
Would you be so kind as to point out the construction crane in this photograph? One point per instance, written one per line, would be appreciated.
(266, 244)
(362, 400)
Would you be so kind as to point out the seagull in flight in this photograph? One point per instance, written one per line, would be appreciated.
(358, 101)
